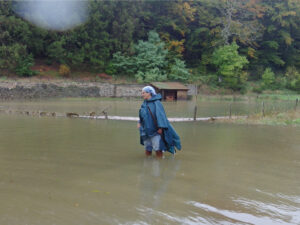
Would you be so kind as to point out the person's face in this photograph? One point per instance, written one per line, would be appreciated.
(146, 95)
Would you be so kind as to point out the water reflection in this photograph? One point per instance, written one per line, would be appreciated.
(155, 177)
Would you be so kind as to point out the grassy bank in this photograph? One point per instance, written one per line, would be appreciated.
(291, 117)
(249, 96)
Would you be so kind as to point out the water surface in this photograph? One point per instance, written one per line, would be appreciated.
(78, 171)
(73, 171)
(130, 106)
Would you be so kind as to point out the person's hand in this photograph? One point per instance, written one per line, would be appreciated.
(138, 125)
(159, 131)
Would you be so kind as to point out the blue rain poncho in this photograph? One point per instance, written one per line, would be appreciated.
(170, 140)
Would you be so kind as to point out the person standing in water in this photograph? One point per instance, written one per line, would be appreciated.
(156, 133)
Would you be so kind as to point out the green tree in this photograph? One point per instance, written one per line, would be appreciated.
(57, 52)
(179, 71)
(230, 66)
(279, 45)
(150, 54)
(203, 35)
(148, 62)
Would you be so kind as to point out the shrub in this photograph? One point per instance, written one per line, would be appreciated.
(209, 79)
(281, 82)
(123, 64)
(110, 69)
(24, 65)
(297, 86)
(11, 55)
(292, 73)
(258, 90)
(16, 59)
(64, 70)
(154, 74)
(293, 78)
(268, 79)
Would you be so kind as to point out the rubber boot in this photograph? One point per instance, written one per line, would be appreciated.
(148, 153)
(159, 154)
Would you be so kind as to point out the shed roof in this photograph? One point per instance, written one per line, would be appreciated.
(169, 85)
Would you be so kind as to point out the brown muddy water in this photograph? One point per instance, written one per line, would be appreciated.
(78, 171)
(129, 107)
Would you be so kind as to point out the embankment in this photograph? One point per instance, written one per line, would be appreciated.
(54, 89)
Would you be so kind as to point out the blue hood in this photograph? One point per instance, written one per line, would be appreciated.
(154, 98)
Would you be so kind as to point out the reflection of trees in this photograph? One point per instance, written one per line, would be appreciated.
(154, 179)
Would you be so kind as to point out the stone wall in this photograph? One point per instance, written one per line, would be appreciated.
(129, 90)
(19, 90)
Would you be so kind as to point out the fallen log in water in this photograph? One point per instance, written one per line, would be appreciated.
(124, 118)
(178, 119)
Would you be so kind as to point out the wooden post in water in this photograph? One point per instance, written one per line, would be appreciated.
(196, 108)
(297, 100)
(105, 114)
(230, 110)
(195, 112)
(263, 109)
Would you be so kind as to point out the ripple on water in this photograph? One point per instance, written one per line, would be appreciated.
(261, 212)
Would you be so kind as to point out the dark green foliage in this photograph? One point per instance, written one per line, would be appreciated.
(10, 55)
(23, 66)
(267, 32)
(57, 52)
(148, 63)
(15, 59)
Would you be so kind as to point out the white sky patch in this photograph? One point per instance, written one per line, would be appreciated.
(53, 14)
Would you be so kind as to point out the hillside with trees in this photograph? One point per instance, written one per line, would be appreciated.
(221, 43)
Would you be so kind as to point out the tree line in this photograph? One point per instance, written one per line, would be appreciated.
(217, 42)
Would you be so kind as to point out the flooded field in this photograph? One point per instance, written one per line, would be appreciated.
(77, 171)
(129, 107)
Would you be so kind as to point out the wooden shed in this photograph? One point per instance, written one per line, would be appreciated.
(171, 91)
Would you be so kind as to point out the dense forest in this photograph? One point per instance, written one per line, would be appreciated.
(215, 42)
